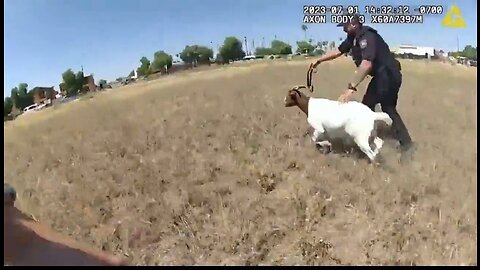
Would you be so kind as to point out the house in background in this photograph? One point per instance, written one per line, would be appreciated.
(43, 95)
(89, 83)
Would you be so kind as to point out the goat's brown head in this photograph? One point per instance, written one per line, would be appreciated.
(294, 94)
(292, 97)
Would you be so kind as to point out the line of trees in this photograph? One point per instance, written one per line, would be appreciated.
(192, 54)
(468, 52)
(231, 50)
(161, 60)
(20, 96)
(306, 46)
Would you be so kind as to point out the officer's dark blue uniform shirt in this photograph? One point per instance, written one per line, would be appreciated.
(367, 44)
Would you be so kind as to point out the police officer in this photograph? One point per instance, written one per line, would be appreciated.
(372, 57)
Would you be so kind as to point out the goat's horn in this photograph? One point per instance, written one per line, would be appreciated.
(297, 87)
(309, 78)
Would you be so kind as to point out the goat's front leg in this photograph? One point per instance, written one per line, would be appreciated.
(378, 145)
(362, 142)
(324, 144)
(317, 135)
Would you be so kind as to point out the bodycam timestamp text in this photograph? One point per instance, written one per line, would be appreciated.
(335, 14)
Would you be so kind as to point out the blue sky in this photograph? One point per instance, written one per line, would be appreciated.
(43, 38)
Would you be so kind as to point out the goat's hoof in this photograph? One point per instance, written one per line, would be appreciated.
(324, 149)
(378, 161)
(376, 164)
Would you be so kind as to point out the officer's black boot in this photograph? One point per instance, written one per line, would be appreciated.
(407, 147)
(407, 151)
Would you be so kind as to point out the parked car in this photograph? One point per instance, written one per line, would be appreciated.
(41, 106)
(30, 108)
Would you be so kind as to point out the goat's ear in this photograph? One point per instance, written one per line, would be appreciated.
(293, 94)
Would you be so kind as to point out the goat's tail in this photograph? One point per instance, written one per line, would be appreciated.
(381, 116)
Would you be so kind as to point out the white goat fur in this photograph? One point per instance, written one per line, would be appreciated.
(332, 118)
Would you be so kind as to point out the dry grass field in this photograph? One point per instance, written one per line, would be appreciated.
(209, 167)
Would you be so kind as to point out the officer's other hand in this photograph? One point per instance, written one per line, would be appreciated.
(346, 96)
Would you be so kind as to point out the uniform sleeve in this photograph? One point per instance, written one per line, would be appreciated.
(346, 45)
(367, 45)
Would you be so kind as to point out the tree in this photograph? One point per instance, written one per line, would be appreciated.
(131, 74)
(25, 98)
(22, 89)
(304, 47)
(219, 59)
(280, 47)
(189, 54)
(470, 52)
(196, 54)
(21, 97)
(79, 80)
(318, 51)
(204, 54)
(144, 68)
(160, 59)
(7, 106)
(14, 96)
(231, 49)
(304, 29)
(72, 83)
(261, 51)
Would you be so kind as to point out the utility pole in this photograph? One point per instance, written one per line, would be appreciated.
(253, 45)
(246, 46)
(263, 42)
(211, 47)
(458, 44)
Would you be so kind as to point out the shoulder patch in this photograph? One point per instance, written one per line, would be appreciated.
(363, 43)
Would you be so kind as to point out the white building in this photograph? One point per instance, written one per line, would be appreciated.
(427, 52)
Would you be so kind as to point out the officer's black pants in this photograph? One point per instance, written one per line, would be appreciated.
(383, 89)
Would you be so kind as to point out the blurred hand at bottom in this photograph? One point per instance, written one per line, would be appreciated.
(27, 242)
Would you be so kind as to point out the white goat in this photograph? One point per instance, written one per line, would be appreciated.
(332, 119)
